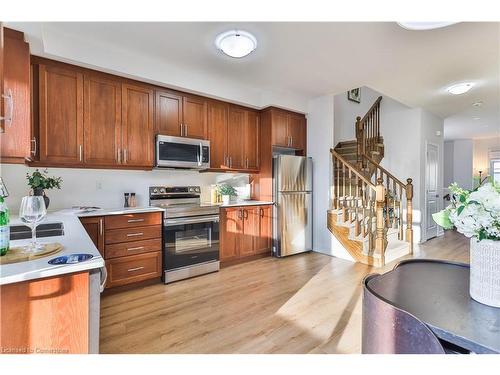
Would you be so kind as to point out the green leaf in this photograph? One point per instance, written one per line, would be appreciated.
(462, 198)
(442, 218)
(474, 202)
(459, 210)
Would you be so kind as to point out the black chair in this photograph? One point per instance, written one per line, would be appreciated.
(387, 329)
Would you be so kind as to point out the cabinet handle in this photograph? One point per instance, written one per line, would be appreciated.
(230, 162)
(247, 163)
(101, 227)
(34, 146)
(8, 118)
(245, 214)
(135, 248)
(291, 141)
(80, 148)
(119, 156)
(124, 156)
(261, 212)
(135, 234)
(182, 130)
(135, 220)
(135, 269)
(185, 130)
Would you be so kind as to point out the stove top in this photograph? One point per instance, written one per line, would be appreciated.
(180, 201)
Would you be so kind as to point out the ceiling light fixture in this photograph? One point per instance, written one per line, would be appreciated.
(424, 25)
(460, 88)
(236, 43)
(477, 104)
(476, 118)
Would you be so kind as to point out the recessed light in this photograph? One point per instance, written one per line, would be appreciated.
(460, 88)
(236, 43)
(477, 104)
(476, 118)
(424, 25)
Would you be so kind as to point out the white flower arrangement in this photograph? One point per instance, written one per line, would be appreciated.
(474, 213)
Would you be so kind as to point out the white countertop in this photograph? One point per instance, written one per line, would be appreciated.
(111, 211)
(240, 203)
(74, 240)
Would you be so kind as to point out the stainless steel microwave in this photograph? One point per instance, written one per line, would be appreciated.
(180, 152)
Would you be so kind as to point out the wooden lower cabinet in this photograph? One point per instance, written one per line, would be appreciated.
(245, 232)
(131, 245)
(48, 315)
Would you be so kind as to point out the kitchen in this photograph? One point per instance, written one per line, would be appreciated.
(106, 135)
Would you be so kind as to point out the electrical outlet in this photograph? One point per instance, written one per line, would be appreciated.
(98, 185)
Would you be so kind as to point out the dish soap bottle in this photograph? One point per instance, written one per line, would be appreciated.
(4, 227)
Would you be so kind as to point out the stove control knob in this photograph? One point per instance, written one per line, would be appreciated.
(155, 191)
(162, 190)
(191, 189)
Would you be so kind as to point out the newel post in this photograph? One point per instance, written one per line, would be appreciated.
(380, 236)
(409, 213)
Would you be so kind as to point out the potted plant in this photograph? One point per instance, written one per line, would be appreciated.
(476, 214)
(226, 191)
(40, 181)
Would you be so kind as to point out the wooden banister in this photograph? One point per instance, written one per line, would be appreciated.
(368, 131)
(383, 171)
(348, 165)
(372, 108)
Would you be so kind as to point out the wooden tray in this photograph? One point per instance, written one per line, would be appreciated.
(20, 254)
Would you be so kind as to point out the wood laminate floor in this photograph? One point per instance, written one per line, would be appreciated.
(308, 303)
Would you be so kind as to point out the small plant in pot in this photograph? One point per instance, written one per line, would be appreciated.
(40, 181)
(226, 191)
(476, 214)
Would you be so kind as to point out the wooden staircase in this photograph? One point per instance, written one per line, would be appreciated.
(369, 203)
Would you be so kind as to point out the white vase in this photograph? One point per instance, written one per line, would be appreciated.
(226, 199)
(485, 271)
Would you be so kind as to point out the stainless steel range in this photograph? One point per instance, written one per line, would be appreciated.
(190, 232)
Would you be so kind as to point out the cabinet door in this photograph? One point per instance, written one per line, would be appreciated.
(2, 122)
(102, 120)
(194, 117)
(250, 231)
(297, 131)
(217, 134)
(231, 230)
(61, 115)
(16, 141)
(279, 121)
(137, 126)
(95, 229)
(251, 140)
(235, 137)
(264, 239)
(168, 119)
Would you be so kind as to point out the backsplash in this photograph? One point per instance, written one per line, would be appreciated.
(104, 188)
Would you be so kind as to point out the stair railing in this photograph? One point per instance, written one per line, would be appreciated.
(360, 202)
(397, 193)
(368, 131)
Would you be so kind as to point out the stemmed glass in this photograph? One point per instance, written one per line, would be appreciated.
(33, 211)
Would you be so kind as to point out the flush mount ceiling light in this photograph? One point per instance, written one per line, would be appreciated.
(460, 88)
(477, 104)
(424, 25)
(236, 43)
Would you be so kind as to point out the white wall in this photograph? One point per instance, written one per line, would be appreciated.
(448, 157)
(105, 188)
(463, 162)
(320, 129)
(481, 154)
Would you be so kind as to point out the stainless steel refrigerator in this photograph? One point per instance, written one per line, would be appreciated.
(292, 193)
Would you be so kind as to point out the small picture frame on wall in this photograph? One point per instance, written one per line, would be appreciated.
(354, 95)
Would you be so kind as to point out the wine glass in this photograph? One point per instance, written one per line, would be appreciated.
(33, 211)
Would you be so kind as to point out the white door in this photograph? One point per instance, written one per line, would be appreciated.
(431, 189)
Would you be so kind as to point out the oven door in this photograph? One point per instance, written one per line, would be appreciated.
(178, 152)
(189, 241)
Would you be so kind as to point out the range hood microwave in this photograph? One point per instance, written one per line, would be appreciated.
(180, 152)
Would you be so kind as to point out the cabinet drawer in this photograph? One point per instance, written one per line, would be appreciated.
(133, 220)
(132, 248)
(134, 268)
(132, 234)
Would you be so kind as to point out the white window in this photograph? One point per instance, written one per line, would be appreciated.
(495, 170)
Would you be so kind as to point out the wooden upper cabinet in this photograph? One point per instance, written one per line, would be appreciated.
(137, 126)
(61, 114)
(235, 139)
(231, 228)
(297, 131)
(17, 140)
(251, 140)
(217, 133)
(194, 117)
(279, 120)
(102, 120)
(168, 116)
(2, 122)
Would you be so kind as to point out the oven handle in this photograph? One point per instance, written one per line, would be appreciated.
(204, 219)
